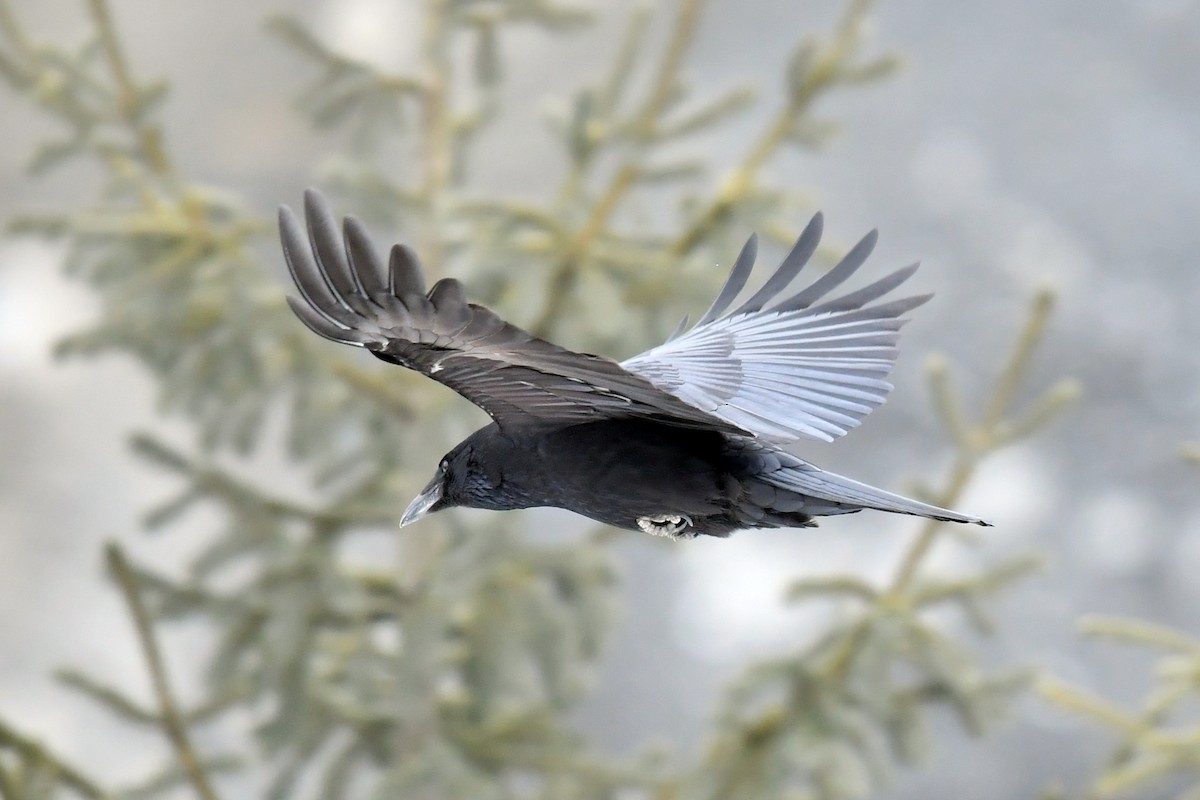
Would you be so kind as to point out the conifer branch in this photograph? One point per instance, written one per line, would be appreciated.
(172, 721)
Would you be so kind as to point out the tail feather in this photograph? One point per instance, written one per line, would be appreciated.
(849, 494)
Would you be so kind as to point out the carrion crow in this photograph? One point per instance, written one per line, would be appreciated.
(683, 439)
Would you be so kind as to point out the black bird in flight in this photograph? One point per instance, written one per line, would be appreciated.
(680, 440)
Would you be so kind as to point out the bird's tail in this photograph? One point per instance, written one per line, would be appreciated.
(845, 495)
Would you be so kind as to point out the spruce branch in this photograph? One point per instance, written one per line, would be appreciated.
(35, 756)
(129, 96)
(172, 721)
(208, 481)
(974, 443)
(436, 140)
(817, 67)
(1158, 741)
(565, 273)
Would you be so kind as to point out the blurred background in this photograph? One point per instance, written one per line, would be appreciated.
(1023, 144)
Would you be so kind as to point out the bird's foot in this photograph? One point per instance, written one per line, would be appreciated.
(674, 526)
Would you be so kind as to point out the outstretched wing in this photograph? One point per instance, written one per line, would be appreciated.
(514, 376)
(800, 368)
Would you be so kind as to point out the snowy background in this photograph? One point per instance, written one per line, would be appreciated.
(1025, 143)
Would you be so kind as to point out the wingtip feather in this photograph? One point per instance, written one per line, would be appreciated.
(736, 281)
(314, 199)
(364, 260)
(323, 325)
(797, 258)
(404, 271)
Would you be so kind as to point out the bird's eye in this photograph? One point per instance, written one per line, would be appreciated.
(444, 466)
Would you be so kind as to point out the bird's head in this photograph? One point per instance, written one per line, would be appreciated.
(463, 478)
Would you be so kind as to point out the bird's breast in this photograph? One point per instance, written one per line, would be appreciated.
(620, 472)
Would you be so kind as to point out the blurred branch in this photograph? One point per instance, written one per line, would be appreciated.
(817, 66)
(36, 759)
(1160, 741)
(1091, 706)
(1191, 452)
(435, 128)
(1138, 632)
(564, 274)
(172, 723)
(975, 587)
(974, 443)
(208, 481)
(129, 96)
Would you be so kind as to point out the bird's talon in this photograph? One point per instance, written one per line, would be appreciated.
(674, 526)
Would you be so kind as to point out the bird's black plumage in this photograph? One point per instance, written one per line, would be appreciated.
(680, 440)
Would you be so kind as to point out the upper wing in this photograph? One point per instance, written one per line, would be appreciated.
(514, 376)
(795, 369)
